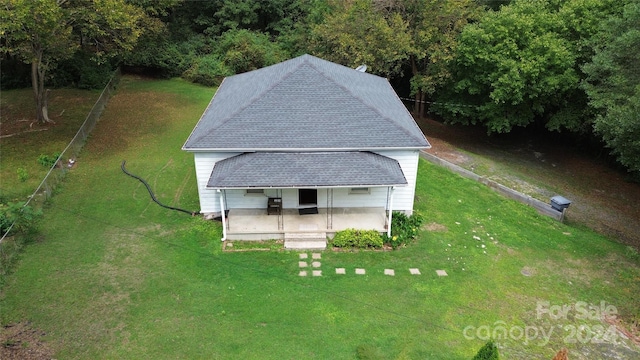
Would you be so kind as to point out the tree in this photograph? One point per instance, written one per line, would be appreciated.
(36, 32)
(244, 50)
(433, 26)
(354, 33)
(521, 65)
(42, 33)
(613, 85)
(511, 67)
(391, 35)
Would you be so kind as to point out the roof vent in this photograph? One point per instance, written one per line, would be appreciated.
(362, 68)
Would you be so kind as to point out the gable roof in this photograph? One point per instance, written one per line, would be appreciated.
(302, 104)
(306, 169)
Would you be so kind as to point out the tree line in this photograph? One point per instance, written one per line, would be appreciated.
(563, 65)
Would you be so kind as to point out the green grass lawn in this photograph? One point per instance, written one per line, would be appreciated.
(67, 107)
(116, 276)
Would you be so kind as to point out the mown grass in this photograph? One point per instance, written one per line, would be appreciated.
(116, 276)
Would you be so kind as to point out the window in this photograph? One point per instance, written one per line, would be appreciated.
(255, 192)
(359, 190)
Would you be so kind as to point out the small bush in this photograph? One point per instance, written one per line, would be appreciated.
(23, 175)
(207, 70)
(48, 160)
(25, 228)
(25, 218)
(488, 352)
(404, 229)
(245, 50)
(361, 239)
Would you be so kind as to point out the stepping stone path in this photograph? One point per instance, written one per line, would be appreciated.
(389, 272)
(314, 264)
(441, 273)
(342, 271)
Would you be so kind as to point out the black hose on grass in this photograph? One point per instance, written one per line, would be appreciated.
(153, 197)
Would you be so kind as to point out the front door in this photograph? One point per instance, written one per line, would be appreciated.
(308, 197)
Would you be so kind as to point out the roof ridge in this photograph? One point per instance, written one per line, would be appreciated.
(368, 105)
(234, 167)
(378, 165)
(256, 97)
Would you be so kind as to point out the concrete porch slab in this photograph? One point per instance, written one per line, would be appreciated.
(255, 224)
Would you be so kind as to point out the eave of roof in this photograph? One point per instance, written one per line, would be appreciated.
(306, 170)
(243, 150)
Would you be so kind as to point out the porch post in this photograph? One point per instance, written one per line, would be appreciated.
(329, 208)
(224, 218)
(390, 210)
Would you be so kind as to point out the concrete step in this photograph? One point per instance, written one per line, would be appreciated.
(305, 241)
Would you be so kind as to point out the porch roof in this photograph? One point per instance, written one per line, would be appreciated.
(306, 169)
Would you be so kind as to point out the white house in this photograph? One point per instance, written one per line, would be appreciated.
(305, 148)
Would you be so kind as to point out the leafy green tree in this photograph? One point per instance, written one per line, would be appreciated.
(207, 70)
(511, 67)
(613, 85)
(391, 35)
(434, 26)
(355, 33)
(42, 33)
(521, 65)
(244, 50)
(294, 31)
(215, 17)
(37, 33)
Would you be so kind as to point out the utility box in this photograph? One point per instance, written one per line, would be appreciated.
(560, 203)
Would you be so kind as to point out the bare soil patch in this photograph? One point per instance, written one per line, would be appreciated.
(435, 227)
(21, 341)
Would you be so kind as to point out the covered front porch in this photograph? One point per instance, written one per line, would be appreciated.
(256, 224)
(304, 195)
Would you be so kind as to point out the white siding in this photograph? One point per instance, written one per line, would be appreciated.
(290, 198)
(209, 199)
(341, 198)
(376, 198)
(403, 196)
(239, 199)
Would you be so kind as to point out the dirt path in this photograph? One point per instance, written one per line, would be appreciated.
(602, 197)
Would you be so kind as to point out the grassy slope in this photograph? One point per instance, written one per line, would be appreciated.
(118, 277)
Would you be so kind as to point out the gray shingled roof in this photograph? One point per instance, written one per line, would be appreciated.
(306, 169)
(305, 103)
